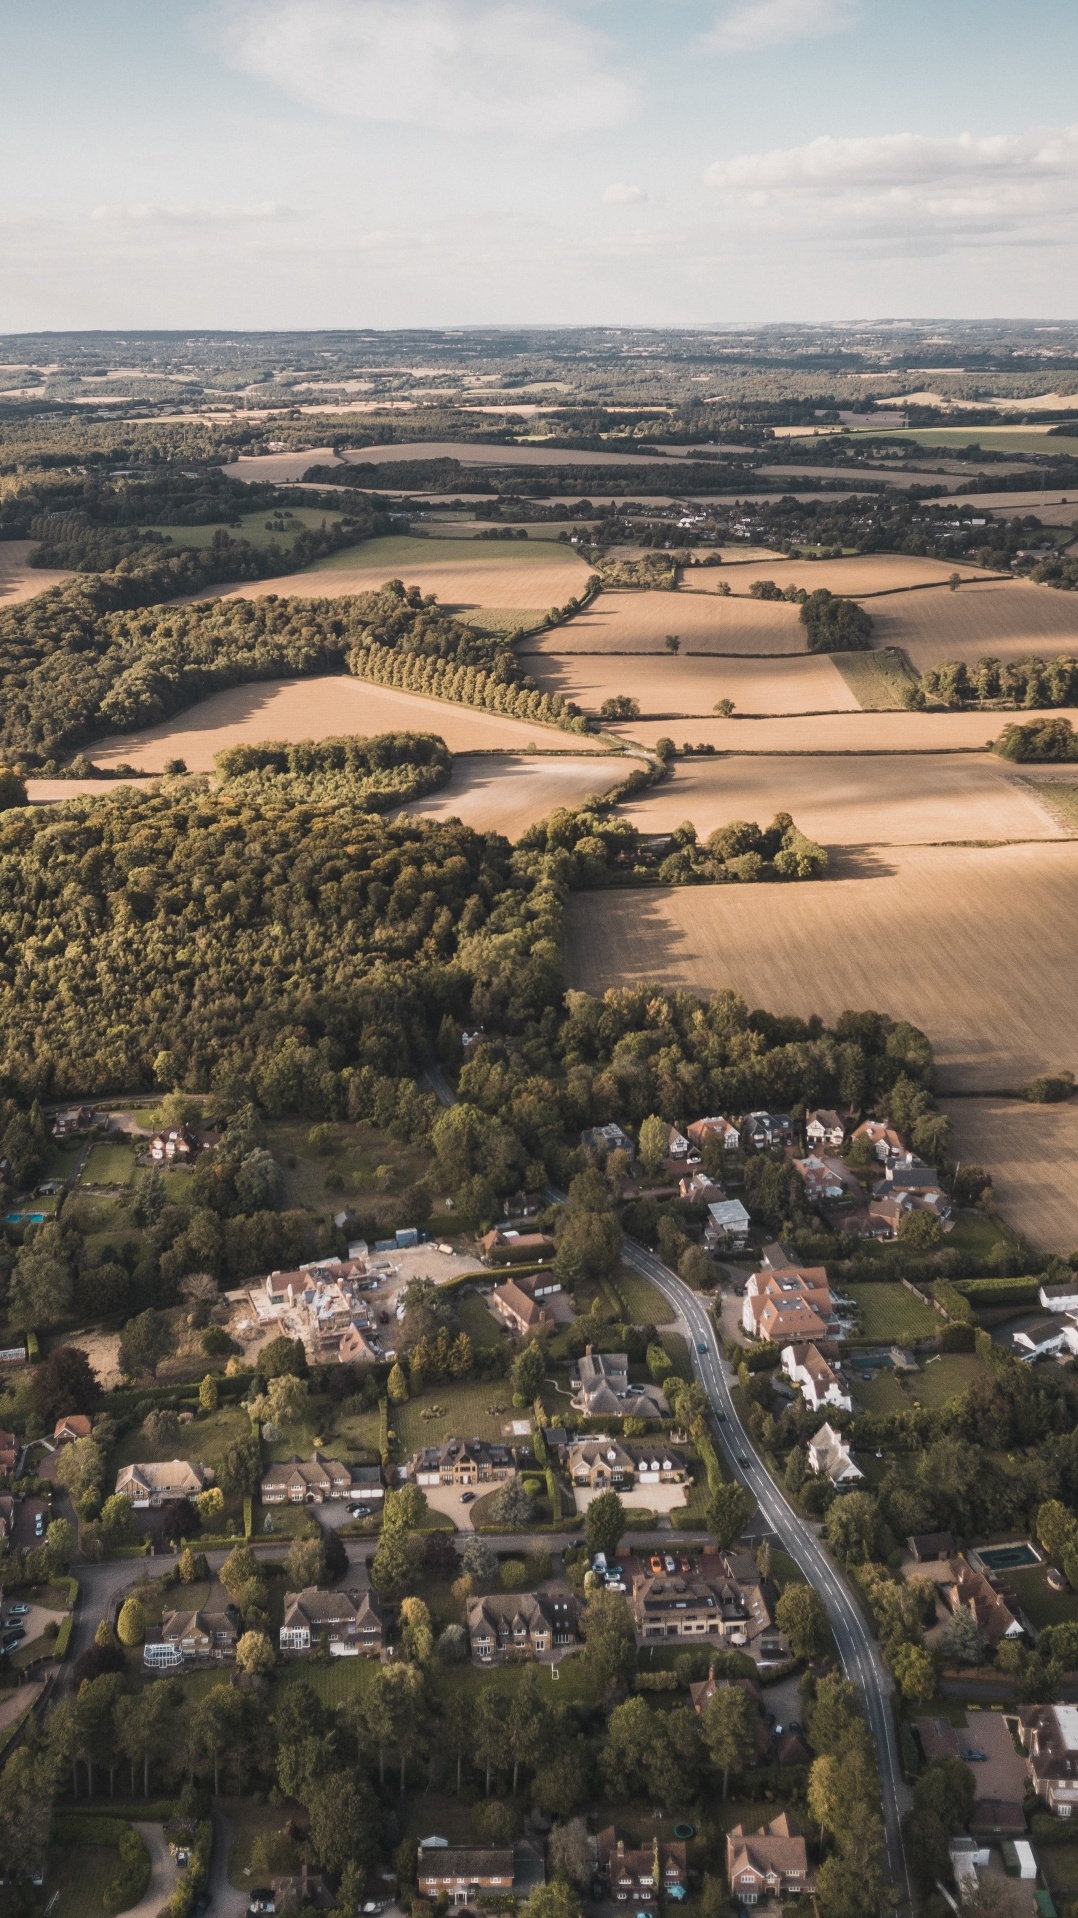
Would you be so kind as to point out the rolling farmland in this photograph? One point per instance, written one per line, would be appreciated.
(864, 573)
(508, 794)
(1032, 1154)
(1008, 618)
(321, 708)
(842, 732)
(922, 799)
(524, 576)
(686, 683)
(625, 622)
(18, 579)
(978, 946)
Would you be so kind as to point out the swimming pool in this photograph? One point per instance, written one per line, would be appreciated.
(26, 1218)
(1007, 1558)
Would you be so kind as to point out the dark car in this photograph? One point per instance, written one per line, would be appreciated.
(742, 1460)
(11, 1642)
(466, 1498)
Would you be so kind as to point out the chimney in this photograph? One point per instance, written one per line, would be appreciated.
(588, 1351)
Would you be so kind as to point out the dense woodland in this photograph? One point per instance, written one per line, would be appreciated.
(1028, 682)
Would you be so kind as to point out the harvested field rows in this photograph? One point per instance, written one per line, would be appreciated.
(685, 683)
(279, 469)
(510, 794)
(849, 732)
(18, 579)
(313, 709)
(524, 575)
(908, 800)
(864, 573)
(1050, 501)
(1009, 619)
(1032, 1155)
(704, 622)
(978, 946)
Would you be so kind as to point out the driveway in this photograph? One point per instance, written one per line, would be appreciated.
(1002, 1774)
(225, 1900)
(446, 1499)
(163, 1874)
(642, 1498)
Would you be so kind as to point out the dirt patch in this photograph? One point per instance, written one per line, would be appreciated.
(19, 580)
(850, 732)
(703, 622)
(102, 1349)
(688, 684)
(1007, 618)
(1032, 1154)
(904, 800)
(977, 946)
(508, 795)
(292, 709)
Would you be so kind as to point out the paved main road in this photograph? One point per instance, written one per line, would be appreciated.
(857, 1647)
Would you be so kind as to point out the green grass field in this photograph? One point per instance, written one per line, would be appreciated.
(994, 439)
(887, 1311)
(397, 552)
(365, 1167)
(109, 1165)
(975, 1232)
(1044, 1606)
(253, 527)
(77, 1876)
(205, 1439)
(938, 1381)
(467, 1409)
(644, 1302)
(878, 680)
(480, 1324)
(572, 1686)
(677, 1350)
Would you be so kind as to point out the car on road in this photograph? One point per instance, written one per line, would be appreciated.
(467, 1498)
(721, 1416)
(742, 1460)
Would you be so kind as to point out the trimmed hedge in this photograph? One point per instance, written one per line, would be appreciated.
(184, 1898)
(705, 1445)
(953, 1303)
(63, 1636)
(1000, 1291)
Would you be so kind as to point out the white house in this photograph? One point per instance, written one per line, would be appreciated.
(1060, 1297)
(825, 1128)
(829, 1456)
(819, 1382)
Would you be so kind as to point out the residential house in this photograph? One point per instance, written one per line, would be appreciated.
(535, 1304)
(604, 1139)
(763, 1130)
(699, 1188)
(303, 1890)
(702, 1693)
(310, 1481)
(1061, 1297)
(991, 1605)
(75, 1119)
(820, 1384)
(462, 1874)
(175, 1146)
(9, 1451)
(604, 1464)
(679, 1148)
(206, 1636)
(641, 1875)
(356, 1349)
(930, 1548)
(727, 1600)
(461, 1462)
(504, 1246)
(367, 1486)
(348, 1623)
(771, 1863)
(657, 1463)
(521, 1206)
(824, 1127)
(830, 1457)
(727, 1225)
(602, 1389)
(823, 1183)
(1049, 1737)
(522, 1625)
(724, 1130)
(783, 1320)
(157, 1484)
(908, 1179)
(75, 1425)
(886, 1143)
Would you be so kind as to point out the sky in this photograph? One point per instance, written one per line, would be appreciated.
(397, 163)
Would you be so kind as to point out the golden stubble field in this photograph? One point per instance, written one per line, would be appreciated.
(845, 801)
(508, 794)
(1008, 619)
(865, 573)
(685, 683)
(848, 732)
(978, 946)
(526, 577)
(321, 708)
(18, 579)
(626, 622)
(1032, 1154)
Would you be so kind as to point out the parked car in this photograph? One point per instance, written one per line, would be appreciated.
(360, 1511)
(466, 1498)
(18, 1611)
(655, 1564)
(684, 1565)
(670, 1563)
(39, 1524)
(11, 1642)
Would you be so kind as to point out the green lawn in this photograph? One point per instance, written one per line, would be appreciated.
(975, 1232)
(888, 1312)
(994, 439)
(938, 1381)
(478, 1321)
(334, 1683)
(465, 1409)
(397, 552)
(109, 1165)
(364, 1168)
(644, 1302)
(249, 1822)
(205, 1439)
(878, 680)
(677, 1350)
(253, 527)
(1044, 1606)
(79, 1874)
(572, 1686)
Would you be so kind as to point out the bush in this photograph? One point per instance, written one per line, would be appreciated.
(132, 1881)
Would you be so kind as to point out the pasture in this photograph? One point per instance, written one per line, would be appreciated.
(850, 800)
(1008, 618)
(19, 580)
(626, 622)
(508, 794)
(261, 529)
(976, 945)
(862, 575)
(849, 732)
(688, 685)
(512, 576)
(318, 708)
(991, 439)
(1031, 1152)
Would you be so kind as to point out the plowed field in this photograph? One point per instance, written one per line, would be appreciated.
(978, 946)
(848, 732)
(686, 683)
(1032, 1154)
(527, 575)
(912, 799)
(865, 573)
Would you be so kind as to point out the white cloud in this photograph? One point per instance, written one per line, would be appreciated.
(829, 165)
(151, 213)
(622, 194)
(754, 24)
(456, 65)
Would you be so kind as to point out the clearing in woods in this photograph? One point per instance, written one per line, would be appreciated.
(320, 708)
(977, 945)
(880, 732)
(686, 684)
(904, 800)
(264, 528)
(1007, 618)
(862, 574)
(703, 622)
(1031, 1152)
(520, 574)
(18, 579)
(507, 794)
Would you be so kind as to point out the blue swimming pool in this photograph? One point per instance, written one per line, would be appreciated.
(1007, 1558)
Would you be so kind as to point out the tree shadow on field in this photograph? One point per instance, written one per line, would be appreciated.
(860, 862)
